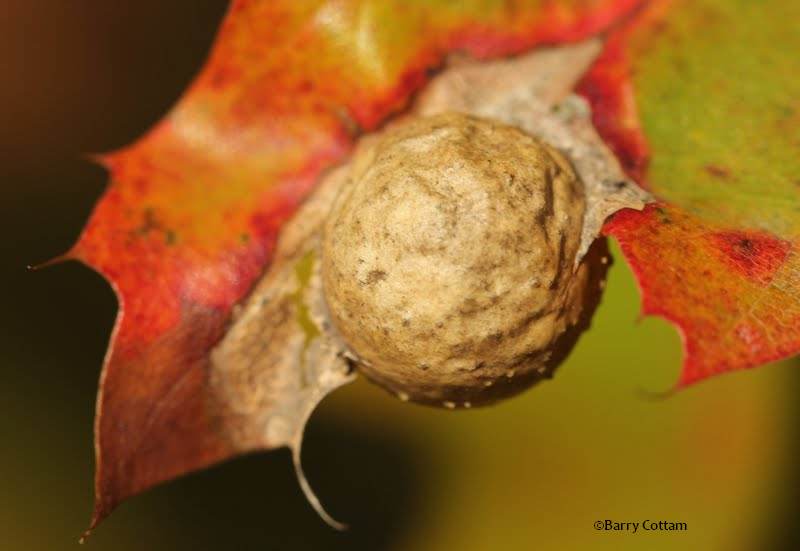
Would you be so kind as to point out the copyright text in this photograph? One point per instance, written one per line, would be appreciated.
(646, 525)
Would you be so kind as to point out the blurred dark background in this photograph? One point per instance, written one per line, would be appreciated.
(91, 76)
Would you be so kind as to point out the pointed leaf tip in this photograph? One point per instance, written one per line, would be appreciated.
(64, 257)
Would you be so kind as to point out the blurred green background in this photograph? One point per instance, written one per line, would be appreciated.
(534, 472)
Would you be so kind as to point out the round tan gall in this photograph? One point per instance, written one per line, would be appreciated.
(449, 260)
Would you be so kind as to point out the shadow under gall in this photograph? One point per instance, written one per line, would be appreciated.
(372, 482)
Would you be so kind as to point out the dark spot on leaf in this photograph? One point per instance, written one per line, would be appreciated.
(149, 223)
(718, 171)
(756, 255)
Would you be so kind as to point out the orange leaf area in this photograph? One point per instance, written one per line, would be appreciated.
(718, 257)
(733, 294)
